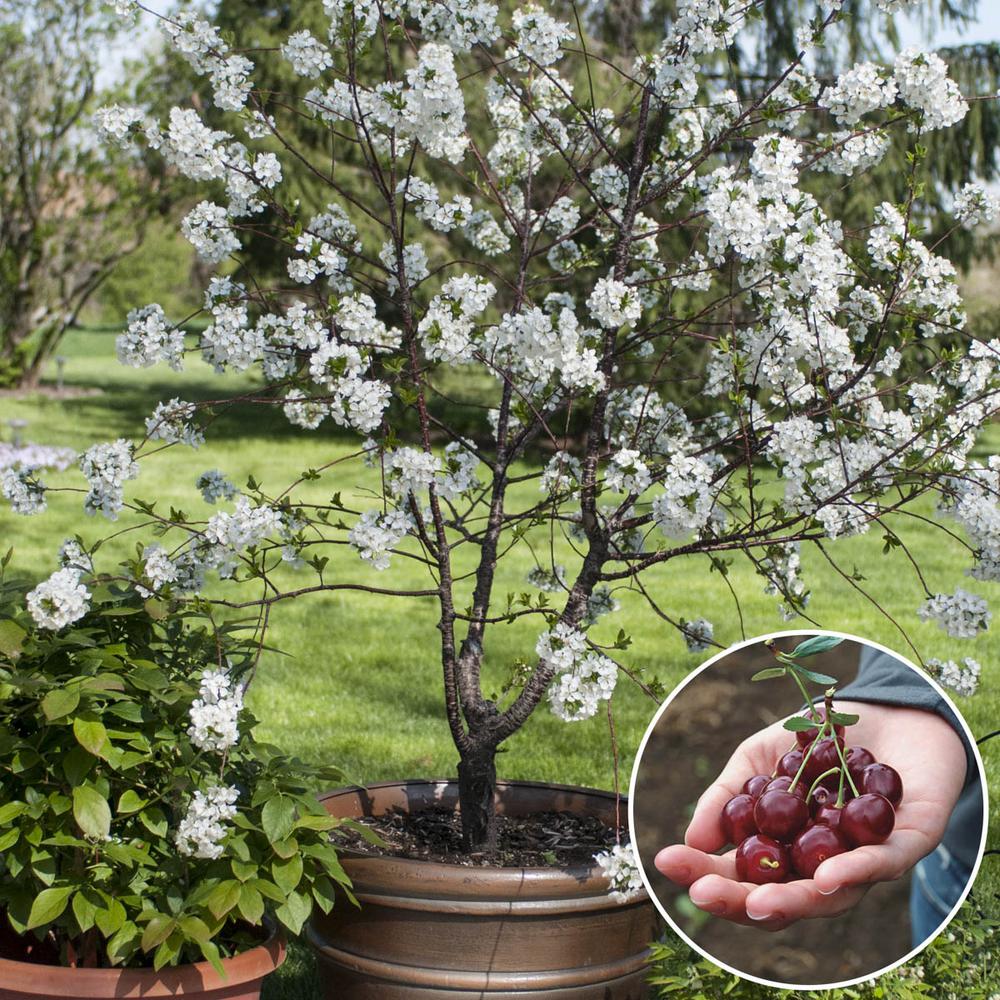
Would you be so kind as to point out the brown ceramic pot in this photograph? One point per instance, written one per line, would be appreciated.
(244, 977)
(430, 931)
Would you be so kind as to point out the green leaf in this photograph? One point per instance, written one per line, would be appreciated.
(48, 906)
(60, 702)
(111, 918)
(800, 724)
(287, 873)
(12, 638)
(766, 675)
(91, 811)
(84, 910)
(157, 931)
(130, 802)
(210, 951)
(814, 645)
(76, 765)
(223, 898)
(154, 820)
(294, 912)
(9, 839)
(251, 904)
(91, 735)
(10, 811)
(844, 718)
(278, 817)
(811, 675)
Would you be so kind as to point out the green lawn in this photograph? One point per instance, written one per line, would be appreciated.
(352, 660)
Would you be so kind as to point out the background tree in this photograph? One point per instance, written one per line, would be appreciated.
(69, 209)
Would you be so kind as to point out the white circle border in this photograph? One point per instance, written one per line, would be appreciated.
(868, 976)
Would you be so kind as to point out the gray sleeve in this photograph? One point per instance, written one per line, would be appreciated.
(884, 680)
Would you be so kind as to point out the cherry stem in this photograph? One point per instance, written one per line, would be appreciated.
(846, 769)
(805, 694)
(825, 774)
(805, 760)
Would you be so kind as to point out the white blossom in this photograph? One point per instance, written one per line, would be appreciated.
(974, 205)
(962, 678)
(214, 486)
(924, 85)
(620, 868)
(377, 533)
(149, 338)
(215, 713)
(172, 422)
(107, 468)
(24, 490)
(698, 634)
(962, 615)
(60, 600)
(627, 473)
(202, 830)
(612, 303)
(307, 54)
(158, 570)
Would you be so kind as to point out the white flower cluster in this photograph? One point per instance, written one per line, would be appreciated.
(214, 486)
(116, 123)
(378, 532)
(962, 615)
(434, 109)
(24, 490)
(621, 869)
(149, 338)
(202, 45)
(107, 468)
(228, 535)
(201, 832)
(857, 92)
(583, 678)
(686, 503)
(551, 581)
(307, 54)
(781, 567)
(172, 422)
(627, 472)
(962, 678)
(447, 329)
(538, 37)
(158, 570)
(215, 713)
(562, 473)
(974, 205)
(207, 228)
(698, 634)
(613, 304)
(924, 84)
(59, 600)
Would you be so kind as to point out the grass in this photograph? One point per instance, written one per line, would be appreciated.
(359, 682)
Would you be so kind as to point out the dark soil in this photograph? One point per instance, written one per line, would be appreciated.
(541, 840)
(689, 746)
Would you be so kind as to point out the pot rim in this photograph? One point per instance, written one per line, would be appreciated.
(582, 877)
(50, 981)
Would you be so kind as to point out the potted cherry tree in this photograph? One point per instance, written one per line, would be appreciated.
(684, 354)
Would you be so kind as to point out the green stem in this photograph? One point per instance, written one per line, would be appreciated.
(846, 770)
(805, 694)
(802, 766)
(825, 774)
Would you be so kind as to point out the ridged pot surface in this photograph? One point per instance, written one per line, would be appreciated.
(244, 978)
(431, 931)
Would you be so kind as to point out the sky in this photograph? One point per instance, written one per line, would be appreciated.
(986, 29)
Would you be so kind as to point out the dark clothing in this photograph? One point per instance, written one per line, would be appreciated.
(939, 879)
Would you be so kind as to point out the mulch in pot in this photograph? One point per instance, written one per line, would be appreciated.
(541, 840)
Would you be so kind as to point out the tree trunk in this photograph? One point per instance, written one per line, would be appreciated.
(477, 781)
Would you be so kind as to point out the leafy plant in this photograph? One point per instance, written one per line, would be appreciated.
(101, 759)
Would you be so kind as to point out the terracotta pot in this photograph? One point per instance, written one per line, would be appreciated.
(244, 977)
(430, 931)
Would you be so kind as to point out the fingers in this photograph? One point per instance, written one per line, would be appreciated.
(685, 865)
(784, 903)
(704, 832)
(722, 897)
(874, 863)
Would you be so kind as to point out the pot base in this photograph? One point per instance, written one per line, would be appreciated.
(432, 931)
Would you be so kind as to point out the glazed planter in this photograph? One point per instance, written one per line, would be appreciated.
(245, 975)
(431, 931)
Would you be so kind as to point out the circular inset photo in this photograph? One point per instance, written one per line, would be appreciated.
(808, 809)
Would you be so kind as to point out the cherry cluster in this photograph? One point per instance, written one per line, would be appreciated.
(824, 798)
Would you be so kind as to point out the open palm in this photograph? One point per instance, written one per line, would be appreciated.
(921, 746)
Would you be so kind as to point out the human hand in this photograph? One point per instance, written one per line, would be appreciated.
(921, 746)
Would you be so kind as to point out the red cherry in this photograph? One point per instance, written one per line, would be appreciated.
(829, 815)
(821, 796)
(813, 846)
(737, 818)
(881, 779)
(789, 764)
(823, 757)
(780, 814)
(782, 782)
(858, 758)
(755, 785)
(868, 819)
(806, 736)
(761, 860)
